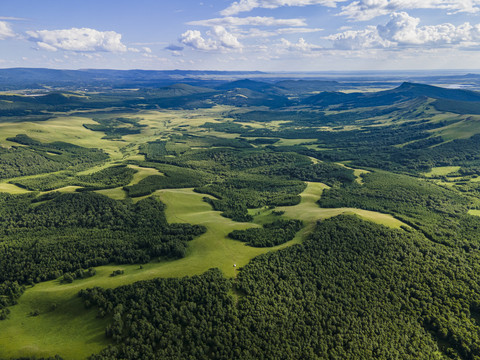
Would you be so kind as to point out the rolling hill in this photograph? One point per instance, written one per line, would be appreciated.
(406, 91)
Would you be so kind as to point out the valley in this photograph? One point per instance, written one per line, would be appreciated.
(222, 219)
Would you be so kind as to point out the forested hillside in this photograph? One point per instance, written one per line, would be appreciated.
(245, 219)
(352, 290)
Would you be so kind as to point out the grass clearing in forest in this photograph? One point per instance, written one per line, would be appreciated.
(12, 189)
(309, 211)
(441, 171)
(466, 127)
(293, 142)
(116, 193)
(474, 212)
(73, 332)
(67, 129)
(142, 173)
(63, 326)
(356, 172)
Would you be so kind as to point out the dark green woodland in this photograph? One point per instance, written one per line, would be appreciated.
(343, 225)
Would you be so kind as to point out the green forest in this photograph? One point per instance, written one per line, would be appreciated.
(217, 222)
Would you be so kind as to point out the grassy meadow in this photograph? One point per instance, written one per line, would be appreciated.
(50, 318)
(65, 327)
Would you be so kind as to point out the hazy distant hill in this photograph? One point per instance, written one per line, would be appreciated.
(303, 86)
(258, 86)
(178, 90)
(18, 78)
(247, 97)
(405, 92)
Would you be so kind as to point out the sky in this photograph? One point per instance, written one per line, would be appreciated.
(264, 35)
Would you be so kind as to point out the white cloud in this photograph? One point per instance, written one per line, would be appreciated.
(5, 31)
(351, 40)
(369, 9)
(226, 39)
(45, 46)
(219, 39)
(248, 5)
(403, 30)
(81, 40)
(301, 45)
(12, 18)
(255, 33)
(297, 30)
(249, 21)
(258, 33)
(194, 39)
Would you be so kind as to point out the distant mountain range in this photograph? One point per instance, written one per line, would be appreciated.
(134, 88)
(38, 77)
(406, 91)
(290, 84)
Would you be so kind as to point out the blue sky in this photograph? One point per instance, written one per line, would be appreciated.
(268, 35)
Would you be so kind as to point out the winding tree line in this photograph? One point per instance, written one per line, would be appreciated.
(353, 290)
(42, 238)
(406, 146)
(39, 158)
(441, 214)
(238, 179)
(271, 234)
(111, 177)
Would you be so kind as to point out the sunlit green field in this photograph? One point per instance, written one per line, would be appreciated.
(441, 171)
(474, 212)
(12, 189)
(309, 212)
(63, 326)
(67, 129)
(75, 333)
(466, 127)
(66, 328)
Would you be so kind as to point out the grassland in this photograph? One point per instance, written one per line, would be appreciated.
(74, 332)
(309, 212)
(357, 172)
(142, 173)
(474, 212)
(441, 171)
(67, 129)
(63, 325)
(66, 328)
(466, 127)
(115, 193)
(12, 189)
(292, 142)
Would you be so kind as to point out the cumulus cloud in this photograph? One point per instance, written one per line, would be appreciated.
(301, 45)
(369, 9)
(257, 33)
(249, 21)
(219, 39)
(226, 39)
(5, 31)
(403, 30)
(351, 40)
(248, 5)
(194, 39)
(82, 40)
